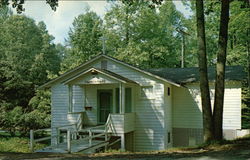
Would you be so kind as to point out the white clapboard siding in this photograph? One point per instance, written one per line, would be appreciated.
(122, 123)
(149, 118)
(77, 99)
(60, 105)
(187, 112)
(59, 110)
(90, 100)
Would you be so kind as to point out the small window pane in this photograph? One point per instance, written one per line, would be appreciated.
(117, 100)
(128, 100)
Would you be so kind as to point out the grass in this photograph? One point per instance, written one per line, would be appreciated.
(230, 150)
(16, 144)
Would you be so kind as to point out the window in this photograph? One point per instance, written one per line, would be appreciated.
(70, 98)
(168, 91)
(169, 137)
(147, 91)
(128, 100)
(117, 100)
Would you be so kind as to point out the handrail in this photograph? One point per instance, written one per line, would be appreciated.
(91, 135)
(71, 133)
(91, 128)
(33, 140)
(66, 125)
(45, 129)
(116, 141)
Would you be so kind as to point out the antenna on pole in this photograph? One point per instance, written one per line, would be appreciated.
(103, 44)
(183, 34)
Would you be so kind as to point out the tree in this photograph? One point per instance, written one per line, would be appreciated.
(27, 58)
(204, 86)
(84, 39)
(220, 71)
(18, 4)
(152, 40)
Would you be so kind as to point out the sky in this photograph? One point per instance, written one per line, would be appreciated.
(59, 22)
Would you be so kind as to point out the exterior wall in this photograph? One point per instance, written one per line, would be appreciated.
(129, 141)
(168, 115)
(122, 123)
(149, 119)
(150, 126)
(60, 105)
(187, 113)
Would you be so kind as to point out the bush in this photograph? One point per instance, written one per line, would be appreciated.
(22, 119)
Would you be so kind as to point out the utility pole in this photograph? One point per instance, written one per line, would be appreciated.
(183, 47)
(103, 44)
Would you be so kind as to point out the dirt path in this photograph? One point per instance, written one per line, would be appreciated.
(181, 155)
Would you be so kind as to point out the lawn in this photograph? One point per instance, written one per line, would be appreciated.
(226, 150)
(16, 144)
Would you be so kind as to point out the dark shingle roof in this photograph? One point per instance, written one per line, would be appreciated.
(189, 75)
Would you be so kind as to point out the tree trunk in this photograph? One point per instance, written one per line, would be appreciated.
(204, 87)
(220, 71)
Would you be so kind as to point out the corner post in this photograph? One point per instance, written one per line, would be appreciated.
(90, 138)
(57, 135)
(32, 140)
(122, 142)
(122, 98)
(68, 141)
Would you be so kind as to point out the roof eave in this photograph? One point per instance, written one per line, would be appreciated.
(145, 72)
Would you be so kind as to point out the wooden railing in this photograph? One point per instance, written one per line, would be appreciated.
(72, 133)
(33, 140)
(77, 126)
(90, 136)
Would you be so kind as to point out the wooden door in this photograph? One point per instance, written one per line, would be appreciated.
(104, 105)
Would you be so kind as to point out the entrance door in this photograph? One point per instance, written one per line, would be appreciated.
(104, 105)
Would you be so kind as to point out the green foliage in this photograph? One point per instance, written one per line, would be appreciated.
(18, 4)
(84, 39)
(246, 108)
(12, 119)
(21, 119)
(27, 58)
(144, 36)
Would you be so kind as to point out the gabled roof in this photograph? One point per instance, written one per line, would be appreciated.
(190, 75)
(101, 71)
(80, 67)
(174, 76)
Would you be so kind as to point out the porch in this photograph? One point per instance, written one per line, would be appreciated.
(71, 139)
